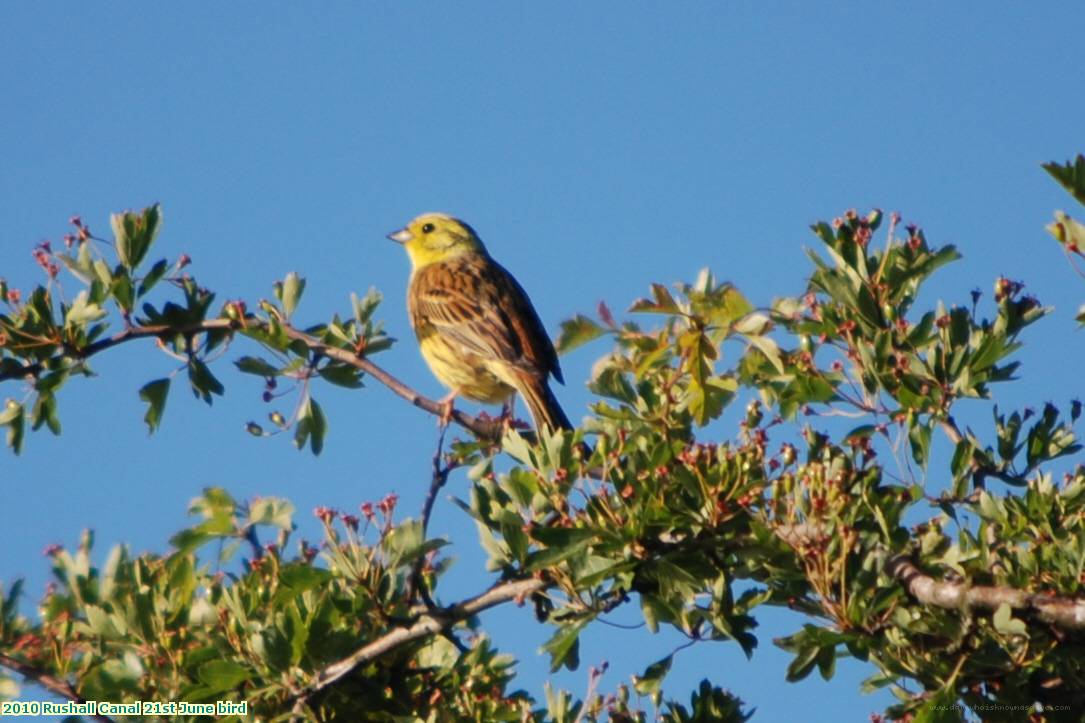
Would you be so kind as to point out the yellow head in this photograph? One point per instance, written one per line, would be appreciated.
(434, 237)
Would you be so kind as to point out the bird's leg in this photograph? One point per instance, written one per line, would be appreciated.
(446, 408)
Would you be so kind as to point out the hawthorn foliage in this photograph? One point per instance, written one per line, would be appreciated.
(957, 581)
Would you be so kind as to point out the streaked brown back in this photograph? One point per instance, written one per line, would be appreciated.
(474, 301)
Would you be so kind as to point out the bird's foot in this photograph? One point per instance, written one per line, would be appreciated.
(447, 409)
(506, 418)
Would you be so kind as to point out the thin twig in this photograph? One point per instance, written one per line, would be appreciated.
(1073, 263)
(438, 480)
(49, 682)
(298, 711)
(594, 676)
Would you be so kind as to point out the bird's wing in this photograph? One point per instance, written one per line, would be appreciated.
(527, 325)
(478, 304)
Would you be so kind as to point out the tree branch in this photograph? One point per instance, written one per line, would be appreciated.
(482, 428)
(1064, 612)
(429, 623)
(129, 334)
(49, 682)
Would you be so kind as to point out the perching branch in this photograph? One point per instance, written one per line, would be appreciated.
(480, 427)
(50, 683)
(1064, 612)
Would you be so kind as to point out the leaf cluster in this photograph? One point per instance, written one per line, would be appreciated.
(798, 456)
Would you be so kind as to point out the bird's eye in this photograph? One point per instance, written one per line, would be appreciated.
(427, 228)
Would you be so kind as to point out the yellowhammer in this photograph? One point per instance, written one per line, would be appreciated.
(476, 327)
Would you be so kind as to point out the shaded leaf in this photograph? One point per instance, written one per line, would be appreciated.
(576, 331)
(154, 393)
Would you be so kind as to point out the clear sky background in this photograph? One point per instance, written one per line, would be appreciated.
(596, 147)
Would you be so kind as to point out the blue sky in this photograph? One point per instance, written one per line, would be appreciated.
(596, 147)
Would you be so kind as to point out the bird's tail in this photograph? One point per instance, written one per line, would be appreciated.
(543, 405)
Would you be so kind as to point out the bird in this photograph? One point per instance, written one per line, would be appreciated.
(475, 324)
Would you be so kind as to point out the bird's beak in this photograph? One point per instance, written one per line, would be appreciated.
(401, 236)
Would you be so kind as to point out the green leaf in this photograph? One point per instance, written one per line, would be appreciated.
(729, 305)
(258, 366)
(551, 556)
(121, 233)
(154, 393)
(991, 508)
(706, 402)
(1070, 175)
(607, 381)
(564, 647)
(661, 302)
(203, 382)
(81, 265)
(223, 675)
(272, 511)
(82, 311)
(291, 290)
(650, 682)
(1006, 624)
(14, 418)
(190, 539)
(296, 578)
(826, 661)
(122, 291)
(804, 662)
(920, 438)
(318, 427)
(365, 306)
(101, 270)
(753, 324)
(214, 502)
(577, 331)
(302, 426)
(405, 543)
(153, 276)
(310, 427)
(342, 375)
(133, 234)
(45, 412)
(770, 349)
